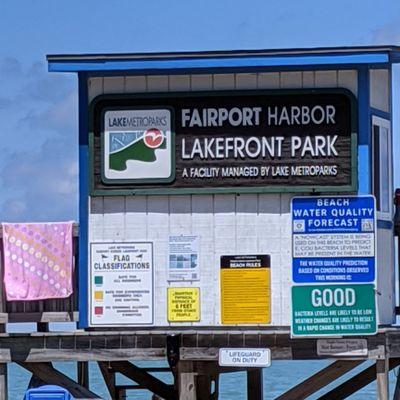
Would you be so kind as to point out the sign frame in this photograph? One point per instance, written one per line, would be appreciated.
(96, 103)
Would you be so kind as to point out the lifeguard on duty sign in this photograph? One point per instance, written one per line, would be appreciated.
(334, 250)
(244, 357)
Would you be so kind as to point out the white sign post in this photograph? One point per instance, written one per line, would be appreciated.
(121, 284)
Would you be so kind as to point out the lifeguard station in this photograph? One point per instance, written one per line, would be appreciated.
(188, 164)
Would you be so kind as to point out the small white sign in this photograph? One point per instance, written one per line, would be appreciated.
(342, 347)
(234, 357)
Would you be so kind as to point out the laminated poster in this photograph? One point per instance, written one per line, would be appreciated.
(183, 258)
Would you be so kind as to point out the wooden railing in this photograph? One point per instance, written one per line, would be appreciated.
(42, 311)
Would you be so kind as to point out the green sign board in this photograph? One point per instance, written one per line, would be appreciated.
(331, 310)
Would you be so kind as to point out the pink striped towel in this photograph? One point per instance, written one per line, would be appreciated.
(37, 260)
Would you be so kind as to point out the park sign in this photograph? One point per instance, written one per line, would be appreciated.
(204, 142)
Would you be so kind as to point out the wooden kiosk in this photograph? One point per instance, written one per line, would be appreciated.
(188, 163)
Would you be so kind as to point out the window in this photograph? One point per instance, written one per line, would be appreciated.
(382, 164)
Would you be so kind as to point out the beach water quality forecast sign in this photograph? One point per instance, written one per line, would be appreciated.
(334, 239)
(334, 248)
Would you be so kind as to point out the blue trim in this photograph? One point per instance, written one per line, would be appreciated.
(379, 113)
(83, 263)
(184, 64)
(363, 106)
(383, 224)
(364, 139)
(364, 170)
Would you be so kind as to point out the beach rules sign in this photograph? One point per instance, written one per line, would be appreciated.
(333, 265)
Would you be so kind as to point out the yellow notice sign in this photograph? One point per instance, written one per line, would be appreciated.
(245, 289)
(183, 304)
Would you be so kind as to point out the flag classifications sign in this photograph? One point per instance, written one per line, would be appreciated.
(328, 310)
(334, 239)
(237, 141)
(121, 283)
(245, 289)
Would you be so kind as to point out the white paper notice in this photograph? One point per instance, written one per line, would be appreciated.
(121, 283)
(183, 263)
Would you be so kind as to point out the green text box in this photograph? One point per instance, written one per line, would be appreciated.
(326, 310)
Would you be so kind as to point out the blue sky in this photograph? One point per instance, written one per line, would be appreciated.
(38, 110)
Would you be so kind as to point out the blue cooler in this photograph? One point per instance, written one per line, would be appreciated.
(48, 392)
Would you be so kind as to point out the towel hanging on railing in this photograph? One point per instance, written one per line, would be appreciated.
(37, 260)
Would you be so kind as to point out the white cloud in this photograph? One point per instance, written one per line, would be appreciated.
(17, 207)
(44, 181)
(61, 116)
(38, 167)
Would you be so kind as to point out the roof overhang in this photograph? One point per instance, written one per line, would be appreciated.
(223, 61)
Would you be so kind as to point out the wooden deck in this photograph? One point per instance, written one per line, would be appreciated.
(199, 345)
(193, 360)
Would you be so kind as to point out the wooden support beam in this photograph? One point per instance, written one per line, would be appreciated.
(3, 371)
(255, 384)
(203, 387)
(356, 382)
(186, 380)
(382, 379)
(83, 373)
(3, 382)
(319, 380)
(51, 376)
(109, 378)
(143, 378)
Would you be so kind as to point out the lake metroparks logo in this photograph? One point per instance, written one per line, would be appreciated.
(138, 146)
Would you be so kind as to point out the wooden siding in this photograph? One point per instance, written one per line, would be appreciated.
(226, 224)
(379, 88)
